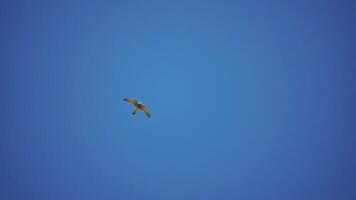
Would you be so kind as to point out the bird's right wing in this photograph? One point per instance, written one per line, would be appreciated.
(131, 100)
(145, 110)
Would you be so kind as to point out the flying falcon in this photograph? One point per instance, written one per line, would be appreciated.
(138, 106)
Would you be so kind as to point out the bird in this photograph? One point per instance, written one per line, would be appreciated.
(138, 106)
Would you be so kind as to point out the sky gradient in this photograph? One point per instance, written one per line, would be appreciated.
(249, 100)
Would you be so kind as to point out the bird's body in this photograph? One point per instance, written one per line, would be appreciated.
(138, 106)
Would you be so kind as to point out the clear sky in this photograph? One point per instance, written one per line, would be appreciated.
(249, 100)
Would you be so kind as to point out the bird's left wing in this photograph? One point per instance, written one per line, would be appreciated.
(131, 100)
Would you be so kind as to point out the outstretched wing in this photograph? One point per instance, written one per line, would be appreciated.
(145, 110)
(131, 100)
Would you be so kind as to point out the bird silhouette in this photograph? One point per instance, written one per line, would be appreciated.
(138, 106)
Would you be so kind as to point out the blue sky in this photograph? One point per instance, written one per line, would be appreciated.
(249, 100)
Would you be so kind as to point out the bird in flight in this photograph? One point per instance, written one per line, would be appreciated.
(138, 106)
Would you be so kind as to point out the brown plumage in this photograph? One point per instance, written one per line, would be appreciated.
(138, 106)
